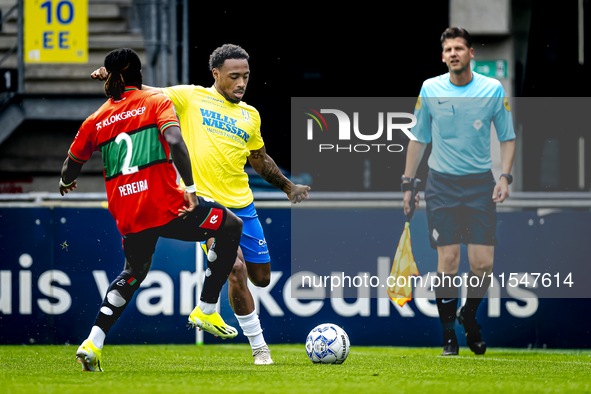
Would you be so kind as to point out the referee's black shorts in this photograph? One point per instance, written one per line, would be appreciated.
(460, 209)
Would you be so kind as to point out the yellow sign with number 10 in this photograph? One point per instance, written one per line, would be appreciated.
(56, 31)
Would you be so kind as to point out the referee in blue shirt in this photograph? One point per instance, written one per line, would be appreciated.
(454, 112)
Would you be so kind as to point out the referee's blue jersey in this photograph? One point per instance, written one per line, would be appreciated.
(457, 119)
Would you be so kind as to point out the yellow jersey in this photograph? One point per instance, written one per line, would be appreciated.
(219, 136)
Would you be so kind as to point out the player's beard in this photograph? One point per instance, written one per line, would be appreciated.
(459, 71)
(229, 96)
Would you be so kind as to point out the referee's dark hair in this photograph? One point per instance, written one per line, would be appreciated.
(125, 69)
(454, 32)
(226, 51)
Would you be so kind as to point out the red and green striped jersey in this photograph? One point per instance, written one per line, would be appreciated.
(139, 176)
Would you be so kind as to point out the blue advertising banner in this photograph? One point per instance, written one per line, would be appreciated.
(57, 263)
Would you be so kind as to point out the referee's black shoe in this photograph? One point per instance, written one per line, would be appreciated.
(473, 335)
(450, 343)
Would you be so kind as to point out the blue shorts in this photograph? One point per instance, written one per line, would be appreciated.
(252, 242)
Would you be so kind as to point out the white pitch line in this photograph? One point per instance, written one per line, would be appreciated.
(514, 360)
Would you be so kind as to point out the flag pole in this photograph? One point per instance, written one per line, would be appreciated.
(415, 189)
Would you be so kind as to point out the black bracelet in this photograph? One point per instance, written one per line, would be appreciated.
(509, 178)
(406, 186)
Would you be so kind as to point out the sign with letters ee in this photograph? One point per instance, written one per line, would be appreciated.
(56, 31)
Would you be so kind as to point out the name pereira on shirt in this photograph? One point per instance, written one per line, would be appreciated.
(133, 188)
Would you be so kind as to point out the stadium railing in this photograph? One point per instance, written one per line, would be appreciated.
(319, 200)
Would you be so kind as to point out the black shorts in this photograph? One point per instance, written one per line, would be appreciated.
(460, 209)
(201, 224)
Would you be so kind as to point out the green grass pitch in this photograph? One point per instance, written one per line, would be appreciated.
(229, 369)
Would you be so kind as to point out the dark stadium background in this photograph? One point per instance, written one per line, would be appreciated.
(320, 51)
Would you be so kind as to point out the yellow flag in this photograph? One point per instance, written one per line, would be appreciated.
(403, 266)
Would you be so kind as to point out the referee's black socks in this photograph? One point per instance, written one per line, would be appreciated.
(477, 286)
(446, 296)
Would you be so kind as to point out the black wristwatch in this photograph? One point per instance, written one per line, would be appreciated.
(509, 178)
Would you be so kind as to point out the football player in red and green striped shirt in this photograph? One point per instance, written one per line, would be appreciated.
(139, 137)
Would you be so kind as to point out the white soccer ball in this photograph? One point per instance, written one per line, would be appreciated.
(327, 344)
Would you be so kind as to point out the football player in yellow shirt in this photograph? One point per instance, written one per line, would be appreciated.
(222, 132)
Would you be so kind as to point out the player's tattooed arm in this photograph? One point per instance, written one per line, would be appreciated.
(265, 166)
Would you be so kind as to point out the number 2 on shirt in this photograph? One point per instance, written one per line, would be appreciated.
(126, 169)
